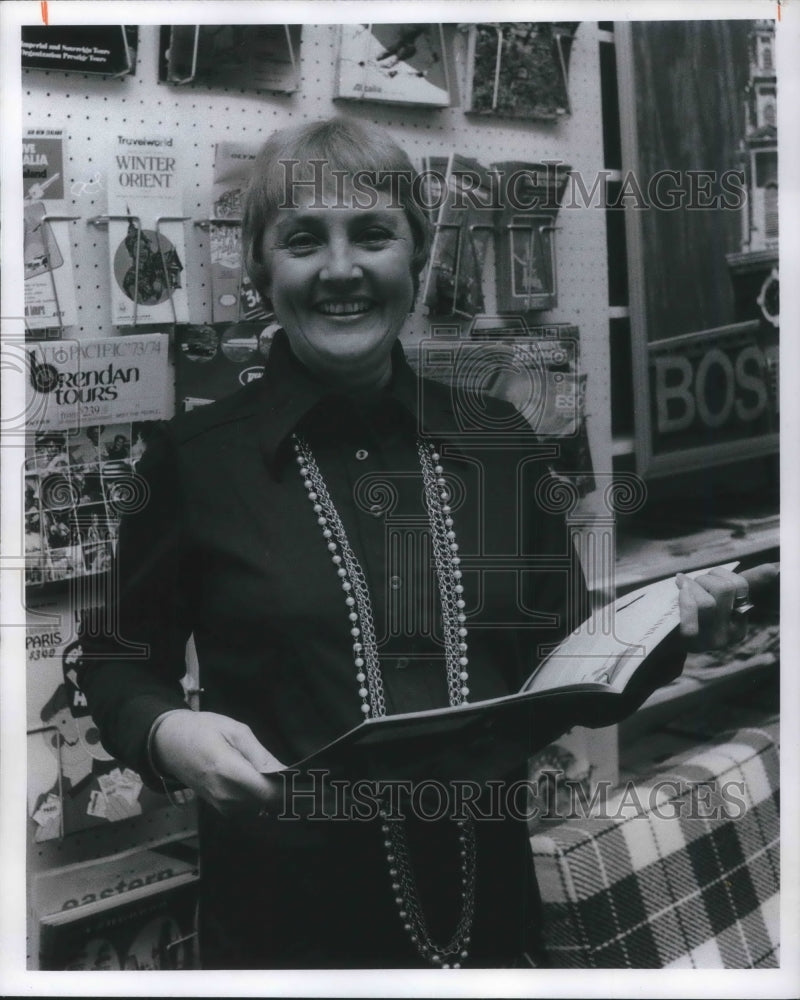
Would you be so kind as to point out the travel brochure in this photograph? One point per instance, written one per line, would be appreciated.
(393, 63)
(146, 230)
(519, 70)
(76, 487)
(152, 928)
(91, 404)
(233, 296)
(76, 383)
(105, 50)
(463, 228)
(47, 247)
(264, 57)
(615, 657)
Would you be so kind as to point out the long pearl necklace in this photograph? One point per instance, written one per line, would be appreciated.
(370, 680)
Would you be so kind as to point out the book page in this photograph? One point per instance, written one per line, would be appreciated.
(611, 644)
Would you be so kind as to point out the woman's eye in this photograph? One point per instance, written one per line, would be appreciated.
(375, 235)
(302, 242)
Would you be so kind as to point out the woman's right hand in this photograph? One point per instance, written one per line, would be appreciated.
(219, 759)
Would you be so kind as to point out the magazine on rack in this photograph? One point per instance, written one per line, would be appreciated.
(90, 406)
(145, 231)
(465, 221)
(519, 70)
(47, 248)
(526, 269)
(394, 64)
(591, 678)
(152, 928)
(233, 296)
(104, 50)
(261, 58)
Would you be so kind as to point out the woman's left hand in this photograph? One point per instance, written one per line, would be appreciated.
(706, 603)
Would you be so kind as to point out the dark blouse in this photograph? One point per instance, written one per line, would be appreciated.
(225, 546)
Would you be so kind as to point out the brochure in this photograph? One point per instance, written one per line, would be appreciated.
(593, 678)
(393, 63)
(47, 249)
(145, 230)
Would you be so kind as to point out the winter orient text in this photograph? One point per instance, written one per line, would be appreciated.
(146, 171)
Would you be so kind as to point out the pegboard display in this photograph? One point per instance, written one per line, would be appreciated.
(93, 111)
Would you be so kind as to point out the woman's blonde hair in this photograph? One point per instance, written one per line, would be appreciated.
(334, 147)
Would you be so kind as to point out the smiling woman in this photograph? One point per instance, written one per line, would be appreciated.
(325, 158)
(341, 280)
(335, 238)
(338, 549)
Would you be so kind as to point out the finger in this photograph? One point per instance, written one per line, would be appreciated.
(715, 609)
(237, 783)
(253, 751)
(255, 785)
(693, 602)
(726, 587)
(690, 622)
(202, 752)
(760, 577)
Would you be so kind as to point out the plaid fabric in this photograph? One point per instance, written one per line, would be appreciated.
(678, 870)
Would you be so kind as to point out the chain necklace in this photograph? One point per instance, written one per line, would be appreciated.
(370, 679)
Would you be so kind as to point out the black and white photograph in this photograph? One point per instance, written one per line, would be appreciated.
(392, 587)
(82, 481)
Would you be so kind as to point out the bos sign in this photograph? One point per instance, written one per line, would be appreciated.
(713, 396)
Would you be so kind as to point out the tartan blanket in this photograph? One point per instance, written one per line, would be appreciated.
(676, 870)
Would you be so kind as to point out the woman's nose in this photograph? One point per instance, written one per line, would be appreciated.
(341, 264)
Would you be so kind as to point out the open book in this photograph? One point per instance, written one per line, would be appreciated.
(598, 674)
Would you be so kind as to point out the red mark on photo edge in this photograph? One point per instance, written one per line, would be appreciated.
(779, 9)
(43, 5)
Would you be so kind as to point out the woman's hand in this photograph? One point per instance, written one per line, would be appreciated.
(219, 759)
(706, 603)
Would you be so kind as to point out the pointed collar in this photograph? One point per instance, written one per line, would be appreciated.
(289, 392)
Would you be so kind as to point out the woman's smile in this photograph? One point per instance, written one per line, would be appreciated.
(341, 284)
(345, 308)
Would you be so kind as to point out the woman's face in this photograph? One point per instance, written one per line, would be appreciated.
(341, 283)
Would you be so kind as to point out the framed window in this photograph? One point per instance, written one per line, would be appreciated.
(703, 357)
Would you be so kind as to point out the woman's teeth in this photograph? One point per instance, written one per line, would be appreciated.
(349, 308)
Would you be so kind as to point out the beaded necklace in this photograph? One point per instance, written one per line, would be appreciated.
(370, 680)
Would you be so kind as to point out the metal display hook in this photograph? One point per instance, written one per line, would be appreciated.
(128, 58)
(46, 241)
(102, 221)
(178, 81)
(158, 221)
(206, 224)
(531, 230)
(470, 234)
